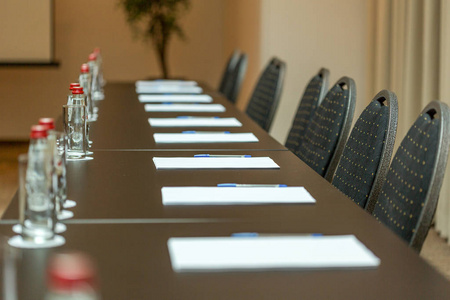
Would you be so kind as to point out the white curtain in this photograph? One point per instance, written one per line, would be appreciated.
(411, 49)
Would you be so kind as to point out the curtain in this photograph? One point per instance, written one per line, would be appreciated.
(410, 56)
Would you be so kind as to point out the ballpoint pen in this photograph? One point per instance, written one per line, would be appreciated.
(192, 117)
(204, 132)
(256, 234)
(214, 155)
(249, 185)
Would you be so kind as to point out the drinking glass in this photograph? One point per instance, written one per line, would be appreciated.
(76, 130)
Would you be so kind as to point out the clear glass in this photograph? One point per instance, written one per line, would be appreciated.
(76, 130)
(59, 169)
(37, 210)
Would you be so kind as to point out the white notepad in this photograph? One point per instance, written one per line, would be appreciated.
(184, 108)
(176, 98)
(173, 89)
(211, 195)
(194, 122)
(269, 253)
(214, 163)
(204, 138)
(165, 82)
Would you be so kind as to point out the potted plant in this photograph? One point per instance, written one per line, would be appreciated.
(157, 20)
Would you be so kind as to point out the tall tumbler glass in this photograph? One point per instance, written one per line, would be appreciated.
(59, 169)
(75, 117)
(37, 211)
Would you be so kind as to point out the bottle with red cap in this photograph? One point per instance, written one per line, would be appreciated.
(39, 214)
(97, 93)
(69, 97)
(101, 80)
(85, 83)
(71, 276)
(79, 98)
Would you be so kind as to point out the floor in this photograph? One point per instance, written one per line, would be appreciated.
(435, 250)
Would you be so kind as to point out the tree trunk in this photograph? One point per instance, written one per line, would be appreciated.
(163, 61)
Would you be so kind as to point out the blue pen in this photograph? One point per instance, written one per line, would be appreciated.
(213, 155)
(191, 117)
(204, 132)
(256, 234)
(250, 185)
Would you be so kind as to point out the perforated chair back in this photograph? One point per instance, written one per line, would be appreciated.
(328, 129)
(364, 163)
(409, 196)
(233, 85)
(311, 99)
(266, 95)
(226, 77)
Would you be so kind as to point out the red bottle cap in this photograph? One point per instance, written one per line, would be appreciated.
(96, 50)
(84, 68)
(49, 122)
(77, 90)
(71, 272)
(92, 56)
(72, 85)
(38, 132)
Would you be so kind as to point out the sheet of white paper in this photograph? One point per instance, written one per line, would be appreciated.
(174, 89)
(175, 98)
(214, 163)
(165, 82)
(194, 122)
(205, 138)
(212, 195)
(184, 108)
(267, 253)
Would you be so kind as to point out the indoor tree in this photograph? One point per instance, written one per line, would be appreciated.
(157, 20)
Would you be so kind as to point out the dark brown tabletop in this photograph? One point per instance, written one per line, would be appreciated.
(126, 185)
(134, 263)
(123, 124)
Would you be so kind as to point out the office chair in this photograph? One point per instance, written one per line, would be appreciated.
(325, 136)
(266, 95)
(233, 85)
(226, 77)
(364, 163)
(311, 99)
(409, 196)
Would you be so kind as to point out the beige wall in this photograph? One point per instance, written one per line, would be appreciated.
(309, 35)
(27, 93)
(243, 31)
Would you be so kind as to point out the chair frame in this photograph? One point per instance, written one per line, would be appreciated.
(282, 66)
(383, 167)
(440, 110)
(347, 123)
(325, 75)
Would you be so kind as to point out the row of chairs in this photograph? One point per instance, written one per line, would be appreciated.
(403, 194)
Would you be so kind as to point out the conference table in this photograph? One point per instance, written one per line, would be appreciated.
(121, 222)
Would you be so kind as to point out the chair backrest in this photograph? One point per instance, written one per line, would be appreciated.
(364, 163)
(409, 196)
(325, 136)
(232, 61)
(311, 99)
(233, 86)
(266, 95)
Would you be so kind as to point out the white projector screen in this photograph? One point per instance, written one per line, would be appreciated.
(26, 31)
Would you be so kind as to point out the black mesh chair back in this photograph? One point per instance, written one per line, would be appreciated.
(311, 99)
(409, 196)
(328, 129)
(233, 85)
(364, 163)
(226, 77)
(266, 95)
